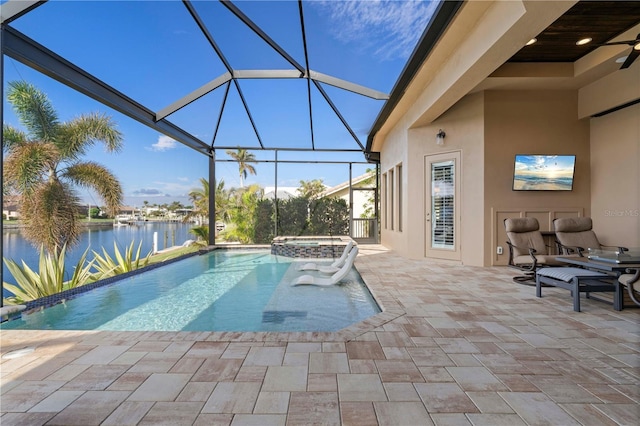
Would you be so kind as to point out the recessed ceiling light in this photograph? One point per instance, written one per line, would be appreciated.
(636, 47)
(621, 59)
(533, 40)
(583, 41)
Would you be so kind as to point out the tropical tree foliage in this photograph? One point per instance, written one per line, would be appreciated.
(201, 233)
(224, 202)
(49, 280)
(263, 229)
(43, 166)
(310, 189)
(329, 216)
(244, 159)
(243, 214)
(200, 199)
(292, 216)
(296, 216)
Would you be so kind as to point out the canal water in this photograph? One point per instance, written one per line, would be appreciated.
(15, 247)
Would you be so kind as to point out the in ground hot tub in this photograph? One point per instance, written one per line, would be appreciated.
(309, 246)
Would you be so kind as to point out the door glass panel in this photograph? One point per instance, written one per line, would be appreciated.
(442, 205)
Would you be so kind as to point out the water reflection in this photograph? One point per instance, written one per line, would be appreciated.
(14, 245)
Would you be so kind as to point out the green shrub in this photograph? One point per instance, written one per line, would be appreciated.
(329, 216)
(292, 216)
(263, 232)
(108, 267)
(49, 280)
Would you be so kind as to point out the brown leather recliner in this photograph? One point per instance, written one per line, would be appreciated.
(527, 250)
(574, 235)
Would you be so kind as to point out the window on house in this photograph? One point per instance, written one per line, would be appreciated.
(443, 204)
(384, 200)
(399, 197)
(392, 199)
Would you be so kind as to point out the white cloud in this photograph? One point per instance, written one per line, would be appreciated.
(164, 143)
(146, 191)
(387, 29)
(183, 179)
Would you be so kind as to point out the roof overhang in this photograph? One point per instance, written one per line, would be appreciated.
(472, 54)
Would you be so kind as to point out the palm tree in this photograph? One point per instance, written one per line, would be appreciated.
(224, 202)
(200, 199)
(311, 189)
(43, 167)
(243, 157)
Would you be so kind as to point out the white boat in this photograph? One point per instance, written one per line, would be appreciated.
(124, 219)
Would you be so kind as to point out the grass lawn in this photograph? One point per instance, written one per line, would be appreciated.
(161, 257)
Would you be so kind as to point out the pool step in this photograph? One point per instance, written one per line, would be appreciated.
(278, 317)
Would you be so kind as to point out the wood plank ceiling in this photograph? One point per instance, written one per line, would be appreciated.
(600, 20)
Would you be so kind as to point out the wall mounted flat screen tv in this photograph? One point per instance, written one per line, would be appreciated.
(544, 172)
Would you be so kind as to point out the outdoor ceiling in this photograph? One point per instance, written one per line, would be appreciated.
(600, 20)
(282, 80)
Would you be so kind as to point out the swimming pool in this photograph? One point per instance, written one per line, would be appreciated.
(224, 290)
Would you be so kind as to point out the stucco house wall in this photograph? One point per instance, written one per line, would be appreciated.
(615, 176)
(492, 111)
(531, 122)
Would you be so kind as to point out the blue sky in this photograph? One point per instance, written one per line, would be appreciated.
(545, 165)
(154, 53)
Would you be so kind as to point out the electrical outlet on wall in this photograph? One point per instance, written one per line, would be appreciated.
(499, 250)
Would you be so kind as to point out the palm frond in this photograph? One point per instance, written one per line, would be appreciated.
(12, 137)
(93, 175)
(49, 215)
(201, 233)
(34, 110)
(76, 136)
(28, 164)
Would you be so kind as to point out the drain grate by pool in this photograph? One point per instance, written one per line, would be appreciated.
(278, 317)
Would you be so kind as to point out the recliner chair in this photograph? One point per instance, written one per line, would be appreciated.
(527, 250)
(574, 235)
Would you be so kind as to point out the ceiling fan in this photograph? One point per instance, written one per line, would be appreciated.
(635, 51)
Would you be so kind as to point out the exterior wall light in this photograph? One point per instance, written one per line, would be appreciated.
(440, 137)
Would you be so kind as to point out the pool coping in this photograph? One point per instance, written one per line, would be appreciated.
(54, 299)
(389, 311)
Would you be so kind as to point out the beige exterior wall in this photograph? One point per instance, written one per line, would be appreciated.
(489, 129)
(396, 153)
(463, 125)
(615, 179)
(531, 122)
(491, 112)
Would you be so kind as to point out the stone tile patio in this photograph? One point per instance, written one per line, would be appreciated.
(455, 345)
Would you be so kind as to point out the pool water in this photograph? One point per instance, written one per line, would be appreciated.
(246, 290)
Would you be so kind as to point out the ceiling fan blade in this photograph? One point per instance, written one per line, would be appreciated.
(614, 43)
(632, 57)
(627, 42)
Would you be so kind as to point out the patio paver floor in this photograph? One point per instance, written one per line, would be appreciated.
(454, 345)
